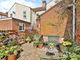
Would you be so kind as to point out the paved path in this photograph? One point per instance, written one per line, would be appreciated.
(31, 53)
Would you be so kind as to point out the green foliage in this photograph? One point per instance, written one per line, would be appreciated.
(51, 44)
(28, 39)
(2, 37)
(72, 53)
(12, 43)
(66, 43)
(31, 36)
(37, 42)
(9, 50)
(37, 37)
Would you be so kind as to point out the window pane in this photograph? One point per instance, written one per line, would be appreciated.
(21, 26)
(24, 14)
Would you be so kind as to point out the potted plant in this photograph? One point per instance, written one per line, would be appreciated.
(35, 43)
(28, 39)
(12, 53)
(40, 44)
(12, 57)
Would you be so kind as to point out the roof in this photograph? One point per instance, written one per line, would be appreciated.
(3, 14)
(21, 5)
(14, 19)
(38, 9)
(20, 20)
(51, 8)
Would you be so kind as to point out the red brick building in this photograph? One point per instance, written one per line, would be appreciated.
(14, 26)
(51, 25)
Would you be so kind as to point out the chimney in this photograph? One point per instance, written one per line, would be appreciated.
(44, 4)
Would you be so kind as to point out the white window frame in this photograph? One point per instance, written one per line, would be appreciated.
(24, 15)
(21, 27)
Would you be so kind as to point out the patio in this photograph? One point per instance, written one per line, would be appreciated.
(32, 53)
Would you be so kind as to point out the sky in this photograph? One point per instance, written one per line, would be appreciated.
(5, 5)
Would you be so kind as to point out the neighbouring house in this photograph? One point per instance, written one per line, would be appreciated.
(19, 19)
(3, 15)
(53, 26)
(15, 26)
(22, 12)
(48, 23)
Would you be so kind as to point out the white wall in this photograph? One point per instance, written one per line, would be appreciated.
(19, 9)
(11, 10)
(34, 17)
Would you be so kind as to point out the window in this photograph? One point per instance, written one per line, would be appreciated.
(14, 12)
(24, 14)
(3, 16)
(21, 27)
(53, 38)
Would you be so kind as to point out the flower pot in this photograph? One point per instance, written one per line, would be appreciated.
(40, 45)
(12, 57)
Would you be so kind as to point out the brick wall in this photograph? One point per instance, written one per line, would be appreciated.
(13, 26)
(51, 24)
(6, 24)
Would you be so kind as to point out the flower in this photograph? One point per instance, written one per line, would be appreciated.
(66, 43)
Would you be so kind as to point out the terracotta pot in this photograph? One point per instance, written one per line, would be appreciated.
(12, 57)
(40, 45)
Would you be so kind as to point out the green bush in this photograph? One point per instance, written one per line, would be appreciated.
(72, 52)
(37, 42)
(12, 43)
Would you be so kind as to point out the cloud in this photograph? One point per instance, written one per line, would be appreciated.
(5, 5)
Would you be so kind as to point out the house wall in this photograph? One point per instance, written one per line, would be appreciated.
(51, 24)
(19, 9)
(3, 15)
(5, 24)
(12, 9)
(33, 18)
(13, 25)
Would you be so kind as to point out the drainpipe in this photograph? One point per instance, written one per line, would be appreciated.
(74, 21)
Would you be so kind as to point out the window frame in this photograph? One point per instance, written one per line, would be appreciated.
(24, 15)
(21, 26)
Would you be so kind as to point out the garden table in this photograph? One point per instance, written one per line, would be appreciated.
(50, 58)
